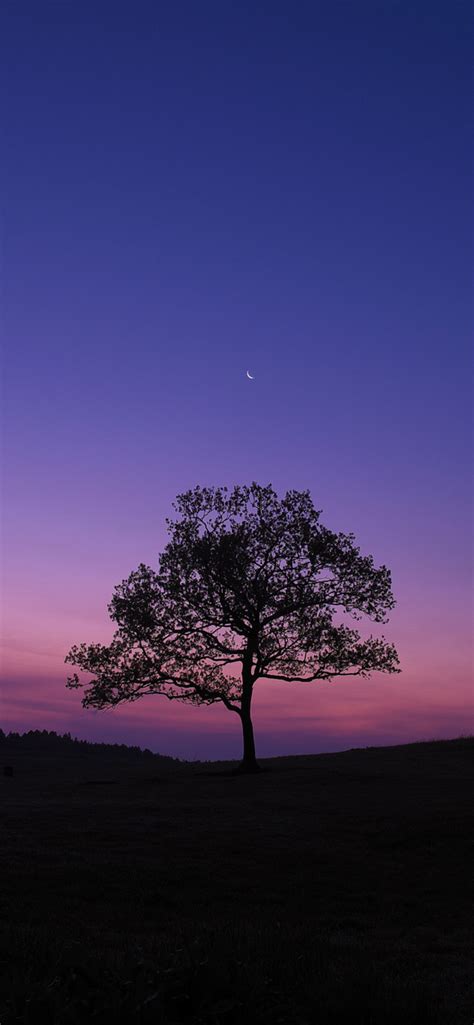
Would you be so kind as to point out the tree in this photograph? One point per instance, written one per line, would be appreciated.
(247, 589)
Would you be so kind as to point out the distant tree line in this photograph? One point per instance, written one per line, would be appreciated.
(49, 740)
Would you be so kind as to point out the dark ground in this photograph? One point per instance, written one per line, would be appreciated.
(331, 888)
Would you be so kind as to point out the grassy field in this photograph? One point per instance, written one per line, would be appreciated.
(330, 888)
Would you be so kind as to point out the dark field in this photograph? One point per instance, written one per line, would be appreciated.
(331, 888)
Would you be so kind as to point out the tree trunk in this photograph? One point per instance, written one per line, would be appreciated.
(249, 762)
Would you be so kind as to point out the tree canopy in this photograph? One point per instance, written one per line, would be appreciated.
(248, 587)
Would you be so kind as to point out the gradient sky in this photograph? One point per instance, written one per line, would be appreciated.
(194, 189)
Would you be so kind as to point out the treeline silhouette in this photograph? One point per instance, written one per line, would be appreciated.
(50, 741)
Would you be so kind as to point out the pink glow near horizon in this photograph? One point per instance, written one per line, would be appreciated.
(432, 697)
(65, 602)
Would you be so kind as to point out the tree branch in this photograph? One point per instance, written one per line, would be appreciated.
(307, 679)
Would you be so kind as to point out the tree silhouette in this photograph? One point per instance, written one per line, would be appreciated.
(247, 589)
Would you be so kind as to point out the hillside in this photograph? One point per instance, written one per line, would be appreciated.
(331, 887)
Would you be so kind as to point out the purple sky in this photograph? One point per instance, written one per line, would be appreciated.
(194, 190)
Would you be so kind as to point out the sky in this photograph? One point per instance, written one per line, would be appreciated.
(192, 191)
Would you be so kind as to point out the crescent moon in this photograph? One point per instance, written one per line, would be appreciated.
(250, 376)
